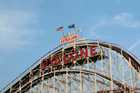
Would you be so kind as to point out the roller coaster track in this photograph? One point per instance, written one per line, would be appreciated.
(112, 70)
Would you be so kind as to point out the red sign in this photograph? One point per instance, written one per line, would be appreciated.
(82, 52)
(68, 39)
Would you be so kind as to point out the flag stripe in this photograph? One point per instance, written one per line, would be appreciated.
(59, 29)
(71, 26)
(79, 30)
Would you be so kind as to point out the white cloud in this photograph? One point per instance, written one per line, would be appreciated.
(134, 45)
(122, 19)
(108, 36)
(94, 35)
(126, 20)
(95, 26)
(92, 30)
(14, 30)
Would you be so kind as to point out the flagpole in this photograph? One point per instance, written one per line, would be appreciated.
(81, 34)
(74, 34)
(74, 28)
(63, 33)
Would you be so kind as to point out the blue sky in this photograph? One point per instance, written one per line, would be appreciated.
(28, 28)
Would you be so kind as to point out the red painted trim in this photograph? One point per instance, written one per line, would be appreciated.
(83, 52)
(44, 60)
(51, 60)
(74, 52)
(57, 62)
(92, 50)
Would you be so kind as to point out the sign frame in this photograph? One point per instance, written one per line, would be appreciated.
(68, 39)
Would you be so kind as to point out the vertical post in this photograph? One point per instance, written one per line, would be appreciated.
(98, 42)
(123, 73)
(74, 64)
(102, 69)
(62, 57)
(52, 61)
(136, 79)
(20, 84)
(11, 87)
(39, 87)
(67, 81)
(47, 86)
(88, 63)
(110, 68)
(63, 34)
(80, 83)
(95, 79)
(74, 60)
(54, 83)
(42, 82)
(30, 81)
(118, 70)
(87, 60)
(132, 86)
(70, 83)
